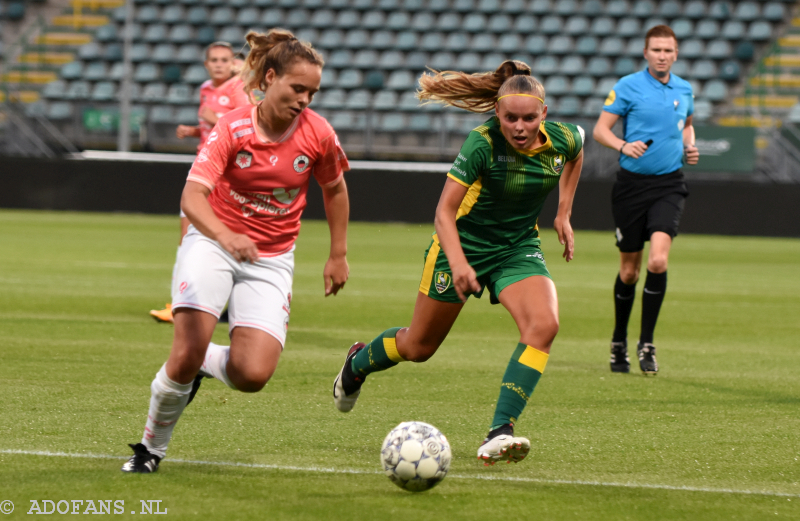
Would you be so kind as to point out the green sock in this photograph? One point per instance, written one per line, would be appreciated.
(378, 355)
(522, 374)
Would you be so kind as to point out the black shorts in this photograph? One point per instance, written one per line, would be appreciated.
(644, 204)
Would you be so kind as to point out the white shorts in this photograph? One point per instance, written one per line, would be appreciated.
(260, 294)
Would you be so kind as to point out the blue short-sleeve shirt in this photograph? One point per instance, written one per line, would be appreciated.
(652, 110)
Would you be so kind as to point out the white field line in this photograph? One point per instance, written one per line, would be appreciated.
(331, 470)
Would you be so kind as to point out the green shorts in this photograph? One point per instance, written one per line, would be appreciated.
(495, 270)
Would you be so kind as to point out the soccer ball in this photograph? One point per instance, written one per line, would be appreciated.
(415, 456)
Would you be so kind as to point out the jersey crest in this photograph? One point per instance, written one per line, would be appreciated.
(244, 159)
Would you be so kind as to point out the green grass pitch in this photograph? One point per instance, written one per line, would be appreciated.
(715, 435)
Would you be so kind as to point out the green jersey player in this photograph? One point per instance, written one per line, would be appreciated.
(486, 236)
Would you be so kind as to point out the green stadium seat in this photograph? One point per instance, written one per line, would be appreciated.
(463, 6)
(540, 7)
(59, 111)
(323, 19)
(373, 20)
(340, 59)
(683, 28)
(206, 35)
(115, 74)
(545, 65)
(35, 109)
(15, 11)
(448, 21)
(156, 92)
(330, 99)
(162, 114)
(247, 16)
(107, 33)
(360, 5)
(629, 28)
(90, 51)
(733, 30)
(568, 107)
(185, 116)
(72, 70)
(417, 60)
(586, 46)
(373, 80)
(604, 86)
(679, 68)
(365, 59)
(155, 33)
(406, 41)
(356, 39)
(715, 90)
(482, 42)
(774, 12)
(399, 21)
(288, 4)
(432, 42)
(163, 53)
(222, 16)
(358, 100)
(392, 123)
(423, 21)
(346, 19)
(707, 29)
(509, 43)
(669, 9)
(515, 7)
(794, 114)
(78, 90)
(468, 62)
(389, 5)
(382, 40)
(602, 26)
(492, 61)
(197, 15)
(235, 36)
(760, 31)
(173, 14)
(611, 46)
(644, 9)
(524, 24)
(556, 85)
(747, 11)
(401, 80)
(692, 49)
(624, 66)
(147, 14)
(703, 70)
(457, 41)
(652, 22)
(330, 39)
(536, 44)
(583, 86)
(95, 71)
(171, 73)
(349, 79)
(635, 47)
(489, 6)
(103, 91)
(118, 15)
(599, 66)
(146, 72)
(214, 3)
(139, 52)
(422, 123)
(408, 101)
(592, 108)
(695, 9)
(702, 111)
(197, 74)
(744, 51)
(720, 10)
(180, 34)
(474, 23)
(558, 45)
(54, 89)
(573, 65)
(272, 18)
(566, 8)
(729, 70)
(347, 121)
(592, 8)
(443, 61)
(328, 80)
(551, 25)
(719, 50)
(577, 26)
(179, 95)
(391, 60)
(385, 100)
(618, 8)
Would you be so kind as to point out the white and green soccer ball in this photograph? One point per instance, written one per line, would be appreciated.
(416, 456)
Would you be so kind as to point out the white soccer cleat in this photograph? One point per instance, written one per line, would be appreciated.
(343, 401)
(511, 449)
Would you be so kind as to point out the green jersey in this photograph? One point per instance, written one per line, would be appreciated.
(508, 187)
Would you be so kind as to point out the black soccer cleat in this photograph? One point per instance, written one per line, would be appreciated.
(347, 385)
(195, 387)
(647, 358)
(620, 363)
(142, 462)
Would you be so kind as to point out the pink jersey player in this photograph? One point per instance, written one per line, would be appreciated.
(220, 100)
(259, 187)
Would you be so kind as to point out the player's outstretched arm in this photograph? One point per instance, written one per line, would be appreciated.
(464, 279)
(566, 195)
(337, 211)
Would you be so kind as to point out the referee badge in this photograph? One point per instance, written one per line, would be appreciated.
(612, 96)
(442, 281)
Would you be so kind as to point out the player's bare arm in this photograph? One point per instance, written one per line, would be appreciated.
(464, 278)
(337, 210)
(566, 195)
(692, 153)
(194, 202)
(605, 136)
(209, 115)
(184, 131)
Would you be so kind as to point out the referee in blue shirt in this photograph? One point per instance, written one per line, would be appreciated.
(656, 110)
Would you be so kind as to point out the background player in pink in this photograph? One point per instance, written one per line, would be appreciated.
(218, 95)
(244, 196)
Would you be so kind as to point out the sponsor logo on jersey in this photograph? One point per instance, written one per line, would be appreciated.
(202, 157)
(182, 287)
(212, 137)
(244, 159)
(612, 97)
(558, 163)
(442, 281)
(537, 255)
(507, 159)
(285, 195)
(300, 164)
(240, 122)
(224, 101)
(273, 160)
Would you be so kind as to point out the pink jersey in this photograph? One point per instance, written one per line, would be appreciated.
(223, 99)
(259, 187)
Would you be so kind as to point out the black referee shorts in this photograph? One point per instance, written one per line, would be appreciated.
(644, 204)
